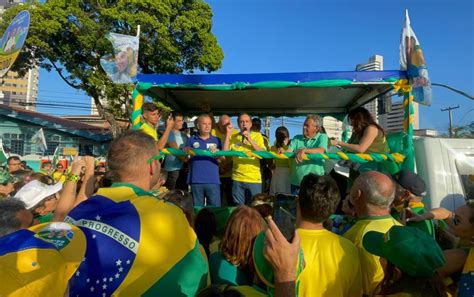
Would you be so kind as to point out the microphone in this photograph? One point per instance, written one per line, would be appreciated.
(243, 136)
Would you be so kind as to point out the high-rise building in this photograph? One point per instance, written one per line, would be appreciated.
(5, 4)
(18, 91)
(388, 115)
(393, 121)
(333, 127)
(375, 63)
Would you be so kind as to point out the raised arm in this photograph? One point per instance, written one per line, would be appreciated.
(68, 193)
(164, 138)
(370, 133)
(228, 135)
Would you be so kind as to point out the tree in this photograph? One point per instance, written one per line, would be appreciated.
(69, 37)
(466, 131)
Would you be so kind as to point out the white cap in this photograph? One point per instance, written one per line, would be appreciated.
(35, 191)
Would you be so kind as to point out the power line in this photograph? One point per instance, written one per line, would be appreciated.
(462, 118)
(454, 90)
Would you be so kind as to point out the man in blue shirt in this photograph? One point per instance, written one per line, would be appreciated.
(204, 171)
(173, 164)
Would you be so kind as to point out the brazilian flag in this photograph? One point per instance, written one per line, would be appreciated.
(137, 245)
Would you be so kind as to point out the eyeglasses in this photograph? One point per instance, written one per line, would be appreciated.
(14, 164)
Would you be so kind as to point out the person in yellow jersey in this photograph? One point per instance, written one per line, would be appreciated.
(371, 195)
(332, 261)
(246, 176)
(151, 118)
(137, 245)
(225, 164)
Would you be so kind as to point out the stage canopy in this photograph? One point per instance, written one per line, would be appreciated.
(289, 94)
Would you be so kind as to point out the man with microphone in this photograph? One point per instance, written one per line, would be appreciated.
(246, 176)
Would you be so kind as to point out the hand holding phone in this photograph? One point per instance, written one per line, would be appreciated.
(285, 222)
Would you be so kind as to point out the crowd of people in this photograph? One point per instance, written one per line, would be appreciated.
(193, 225)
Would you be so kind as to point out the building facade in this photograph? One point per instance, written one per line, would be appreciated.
(389, 115)
(15, 90)
(17, 127)
(375, 63)
(393, 121)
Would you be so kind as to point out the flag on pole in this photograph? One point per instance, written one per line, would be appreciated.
(55, 157)
(121, 67)
(413, 62)
(39, 140)
(3, 155)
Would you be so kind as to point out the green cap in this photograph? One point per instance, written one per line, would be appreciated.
(5, 176)
(264, 268)
(408, 248)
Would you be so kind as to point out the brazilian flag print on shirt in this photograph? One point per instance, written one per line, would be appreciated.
(137, 245)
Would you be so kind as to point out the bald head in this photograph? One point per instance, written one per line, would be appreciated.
(224, 121)
(376, 188)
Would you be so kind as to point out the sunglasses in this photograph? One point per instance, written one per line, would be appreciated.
(160, 157)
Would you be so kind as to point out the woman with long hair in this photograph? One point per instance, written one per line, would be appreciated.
(281, 167)
(367, 135)
(230, 265)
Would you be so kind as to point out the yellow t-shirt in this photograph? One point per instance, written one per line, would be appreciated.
(227, 162)
(371, 269)
(246, 169)
(148, 129)
(332, 265)
(59, 177)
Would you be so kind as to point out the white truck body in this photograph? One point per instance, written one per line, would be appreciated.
(447, 167)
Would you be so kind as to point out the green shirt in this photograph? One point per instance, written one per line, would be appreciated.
(300, 170)
(46, 218)
(425, 225)
(224, 272)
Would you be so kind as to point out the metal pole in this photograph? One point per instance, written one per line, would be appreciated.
(267, 126)
(449, 109)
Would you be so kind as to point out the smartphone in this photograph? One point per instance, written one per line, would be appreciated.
(285, 222)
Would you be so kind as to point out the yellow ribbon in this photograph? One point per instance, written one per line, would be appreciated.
(402, 85)
(366, 157)
(343, 156)
(398, 157)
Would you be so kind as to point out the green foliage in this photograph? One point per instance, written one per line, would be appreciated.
(69, 37)
(466, 131)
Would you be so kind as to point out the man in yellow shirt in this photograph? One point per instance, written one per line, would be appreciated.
(225, 164)
(151, 118)
(246, 176)
(371, 195)
(332, 261)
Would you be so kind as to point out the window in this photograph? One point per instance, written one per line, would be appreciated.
(465, 167)
(17, 147)
(86, 149)
(52, 145)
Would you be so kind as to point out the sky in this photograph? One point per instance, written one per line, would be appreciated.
(261, 36)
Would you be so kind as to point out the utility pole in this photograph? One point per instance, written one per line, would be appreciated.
(282, 121)
(267, 126)
(451, 132)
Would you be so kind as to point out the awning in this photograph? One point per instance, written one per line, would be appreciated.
(289, 94)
